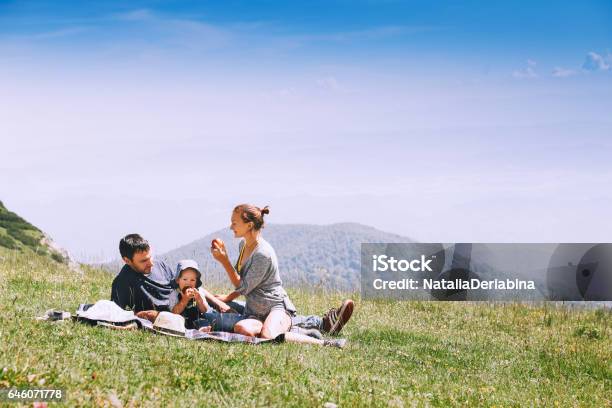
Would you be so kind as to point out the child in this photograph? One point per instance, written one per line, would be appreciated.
(189, 299)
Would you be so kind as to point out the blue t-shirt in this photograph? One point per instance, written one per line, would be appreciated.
(137, 291)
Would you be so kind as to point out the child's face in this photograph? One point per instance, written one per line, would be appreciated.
(188, 279)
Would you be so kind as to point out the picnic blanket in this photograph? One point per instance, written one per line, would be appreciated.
(106, 313)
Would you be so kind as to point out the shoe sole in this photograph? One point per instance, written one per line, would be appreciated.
(346, 305)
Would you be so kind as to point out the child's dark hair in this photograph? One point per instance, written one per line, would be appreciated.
(132, 243)
(250, 213)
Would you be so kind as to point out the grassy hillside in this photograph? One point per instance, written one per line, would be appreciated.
(17, 233)
(400, 354)
(315, 255)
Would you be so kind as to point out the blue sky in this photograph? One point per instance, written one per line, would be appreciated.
(453, 121)
(314, 32)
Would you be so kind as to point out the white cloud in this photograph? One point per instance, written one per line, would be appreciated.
(135, 15)
(135, 34)
(173, 32)
(46, 35)
(372, 33)
(595, 62)
(285, 92)
(328, 83)
(527, 72)
(560, 72)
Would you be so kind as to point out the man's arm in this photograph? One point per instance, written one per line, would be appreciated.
(120, 293)
(167, 270)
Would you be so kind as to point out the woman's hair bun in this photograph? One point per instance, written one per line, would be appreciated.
(251, 213)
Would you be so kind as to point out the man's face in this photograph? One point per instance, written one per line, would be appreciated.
(141, 261)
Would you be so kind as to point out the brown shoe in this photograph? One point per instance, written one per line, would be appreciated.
(335, 319)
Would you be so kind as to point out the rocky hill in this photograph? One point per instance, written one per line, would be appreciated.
(18, 234)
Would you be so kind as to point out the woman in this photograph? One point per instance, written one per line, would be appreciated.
(255, 275)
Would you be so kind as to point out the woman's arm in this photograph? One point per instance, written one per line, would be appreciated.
(231, 296)
(231, 273)
(220, 254)
(220, 305)
(228, 298)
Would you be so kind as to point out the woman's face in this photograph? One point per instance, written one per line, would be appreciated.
(188, 279)
(238, 226)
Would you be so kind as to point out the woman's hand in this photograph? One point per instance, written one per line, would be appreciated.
(227, 298)
(218, 251)
(224, 307)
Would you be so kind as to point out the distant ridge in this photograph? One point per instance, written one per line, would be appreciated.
(326, 255)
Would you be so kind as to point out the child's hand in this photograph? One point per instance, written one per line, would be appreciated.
(190, 293)
(205, 329)
(197, 296)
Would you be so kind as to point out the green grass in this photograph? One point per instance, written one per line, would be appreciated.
(400, 354)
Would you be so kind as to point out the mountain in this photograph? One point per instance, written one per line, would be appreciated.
(18, 234)
(326, 255)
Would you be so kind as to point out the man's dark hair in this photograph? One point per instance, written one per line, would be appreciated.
(132, 243)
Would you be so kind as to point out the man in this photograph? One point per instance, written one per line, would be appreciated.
(144, 286)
